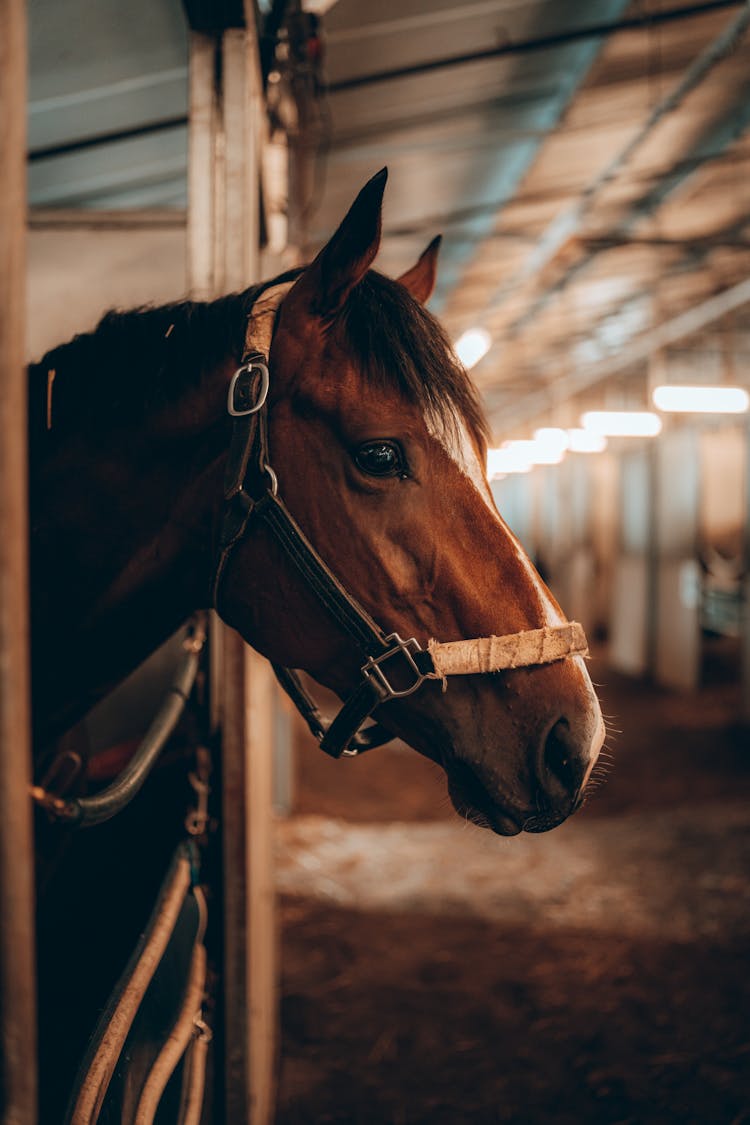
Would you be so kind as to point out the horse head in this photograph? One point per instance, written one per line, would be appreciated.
(378, 445)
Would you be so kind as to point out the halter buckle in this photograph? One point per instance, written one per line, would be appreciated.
(239, 403)
(373, 670)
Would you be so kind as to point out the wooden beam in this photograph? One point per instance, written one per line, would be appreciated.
(226, 136)
(243, 115)
(563, 226)
(17, 959)
(76, 218)
(201, 151)
(745, 641)
(247, 702)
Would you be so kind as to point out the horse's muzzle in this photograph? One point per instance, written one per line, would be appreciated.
(563, 768)
(553, 789)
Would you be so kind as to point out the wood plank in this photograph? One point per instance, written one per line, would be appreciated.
(17, 970)
(225, 146)
(247, 714)
(236, 846)
(201, 146)
(242, 119)
(263, 971)
(745, 642)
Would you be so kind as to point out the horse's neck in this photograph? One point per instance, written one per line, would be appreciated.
(120, 556)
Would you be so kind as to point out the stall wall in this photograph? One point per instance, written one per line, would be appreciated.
(631, 575)
(75, 275)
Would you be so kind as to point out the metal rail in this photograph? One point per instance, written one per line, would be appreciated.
(83, 812)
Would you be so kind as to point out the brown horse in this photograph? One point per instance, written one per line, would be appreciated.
(378, 444)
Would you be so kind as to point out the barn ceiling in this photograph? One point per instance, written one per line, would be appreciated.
(588, 162)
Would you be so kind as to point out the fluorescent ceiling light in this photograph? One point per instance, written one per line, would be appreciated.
(521, 456)
(622, 423)
(473, 346)
(701, 400)
(586, 441)
(551, 442)
(538, 452)
(508, 459)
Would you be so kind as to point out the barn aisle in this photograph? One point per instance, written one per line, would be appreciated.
(434, 973)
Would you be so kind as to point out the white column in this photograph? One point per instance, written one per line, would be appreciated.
(677, 647)
(632, 578)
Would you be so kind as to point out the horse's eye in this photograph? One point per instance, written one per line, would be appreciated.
(380, 459)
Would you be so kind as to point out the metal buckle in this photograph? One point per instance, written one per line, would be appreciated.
(255, 365)
(372, 670)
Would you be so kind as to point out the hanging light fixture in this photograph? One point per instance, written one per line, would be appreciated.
(551, 444)
(688, 399)
(547, 447)
(586, 441)
(622, 423)
(472, 346)
(512, 457)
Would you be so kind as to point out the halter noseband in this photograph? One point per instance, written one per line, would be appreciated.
(394, 668)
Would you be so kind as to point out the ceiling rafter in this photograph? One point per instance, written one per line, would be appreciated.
(690, 322)
(533, 44)
(568, 223)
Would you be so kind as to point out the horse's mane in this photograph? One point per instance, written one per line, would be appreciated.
(137, 361)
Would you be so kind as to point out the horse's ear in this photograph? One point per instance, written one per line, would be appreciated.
(420, 279)
(346, 258)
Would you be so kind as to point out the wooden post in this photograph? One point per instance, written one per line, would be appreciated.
(675, 614)
(745, 626)
(250, 939)
(201, 147)
(18, 1103)
(250, 929)
(225, 147)
(631, 600)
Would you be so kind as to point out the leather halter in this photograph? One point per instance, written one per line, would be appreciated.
(393, 668)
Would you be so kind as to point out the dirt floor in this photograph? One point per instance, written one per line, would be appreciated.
(435, 973)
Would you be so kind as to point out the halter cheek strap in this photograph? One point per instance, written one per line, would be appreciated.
(393, 667)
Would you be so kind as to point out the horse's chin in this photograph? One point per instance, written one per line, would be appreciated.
(472, 801)
(496, 819)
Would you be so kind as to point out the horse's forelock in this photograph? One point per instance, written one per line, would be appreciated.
(397, 343)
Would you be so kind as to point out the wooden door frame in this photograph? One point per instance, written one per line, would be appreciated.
(226, 134)
(17, 962)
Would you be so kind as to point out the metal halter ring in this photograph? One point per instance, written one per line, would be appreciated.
(373, 670)
(273, 480)
(253, 365)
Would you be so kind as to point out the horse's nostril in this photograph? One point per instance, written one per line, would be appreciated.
(561, 769)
